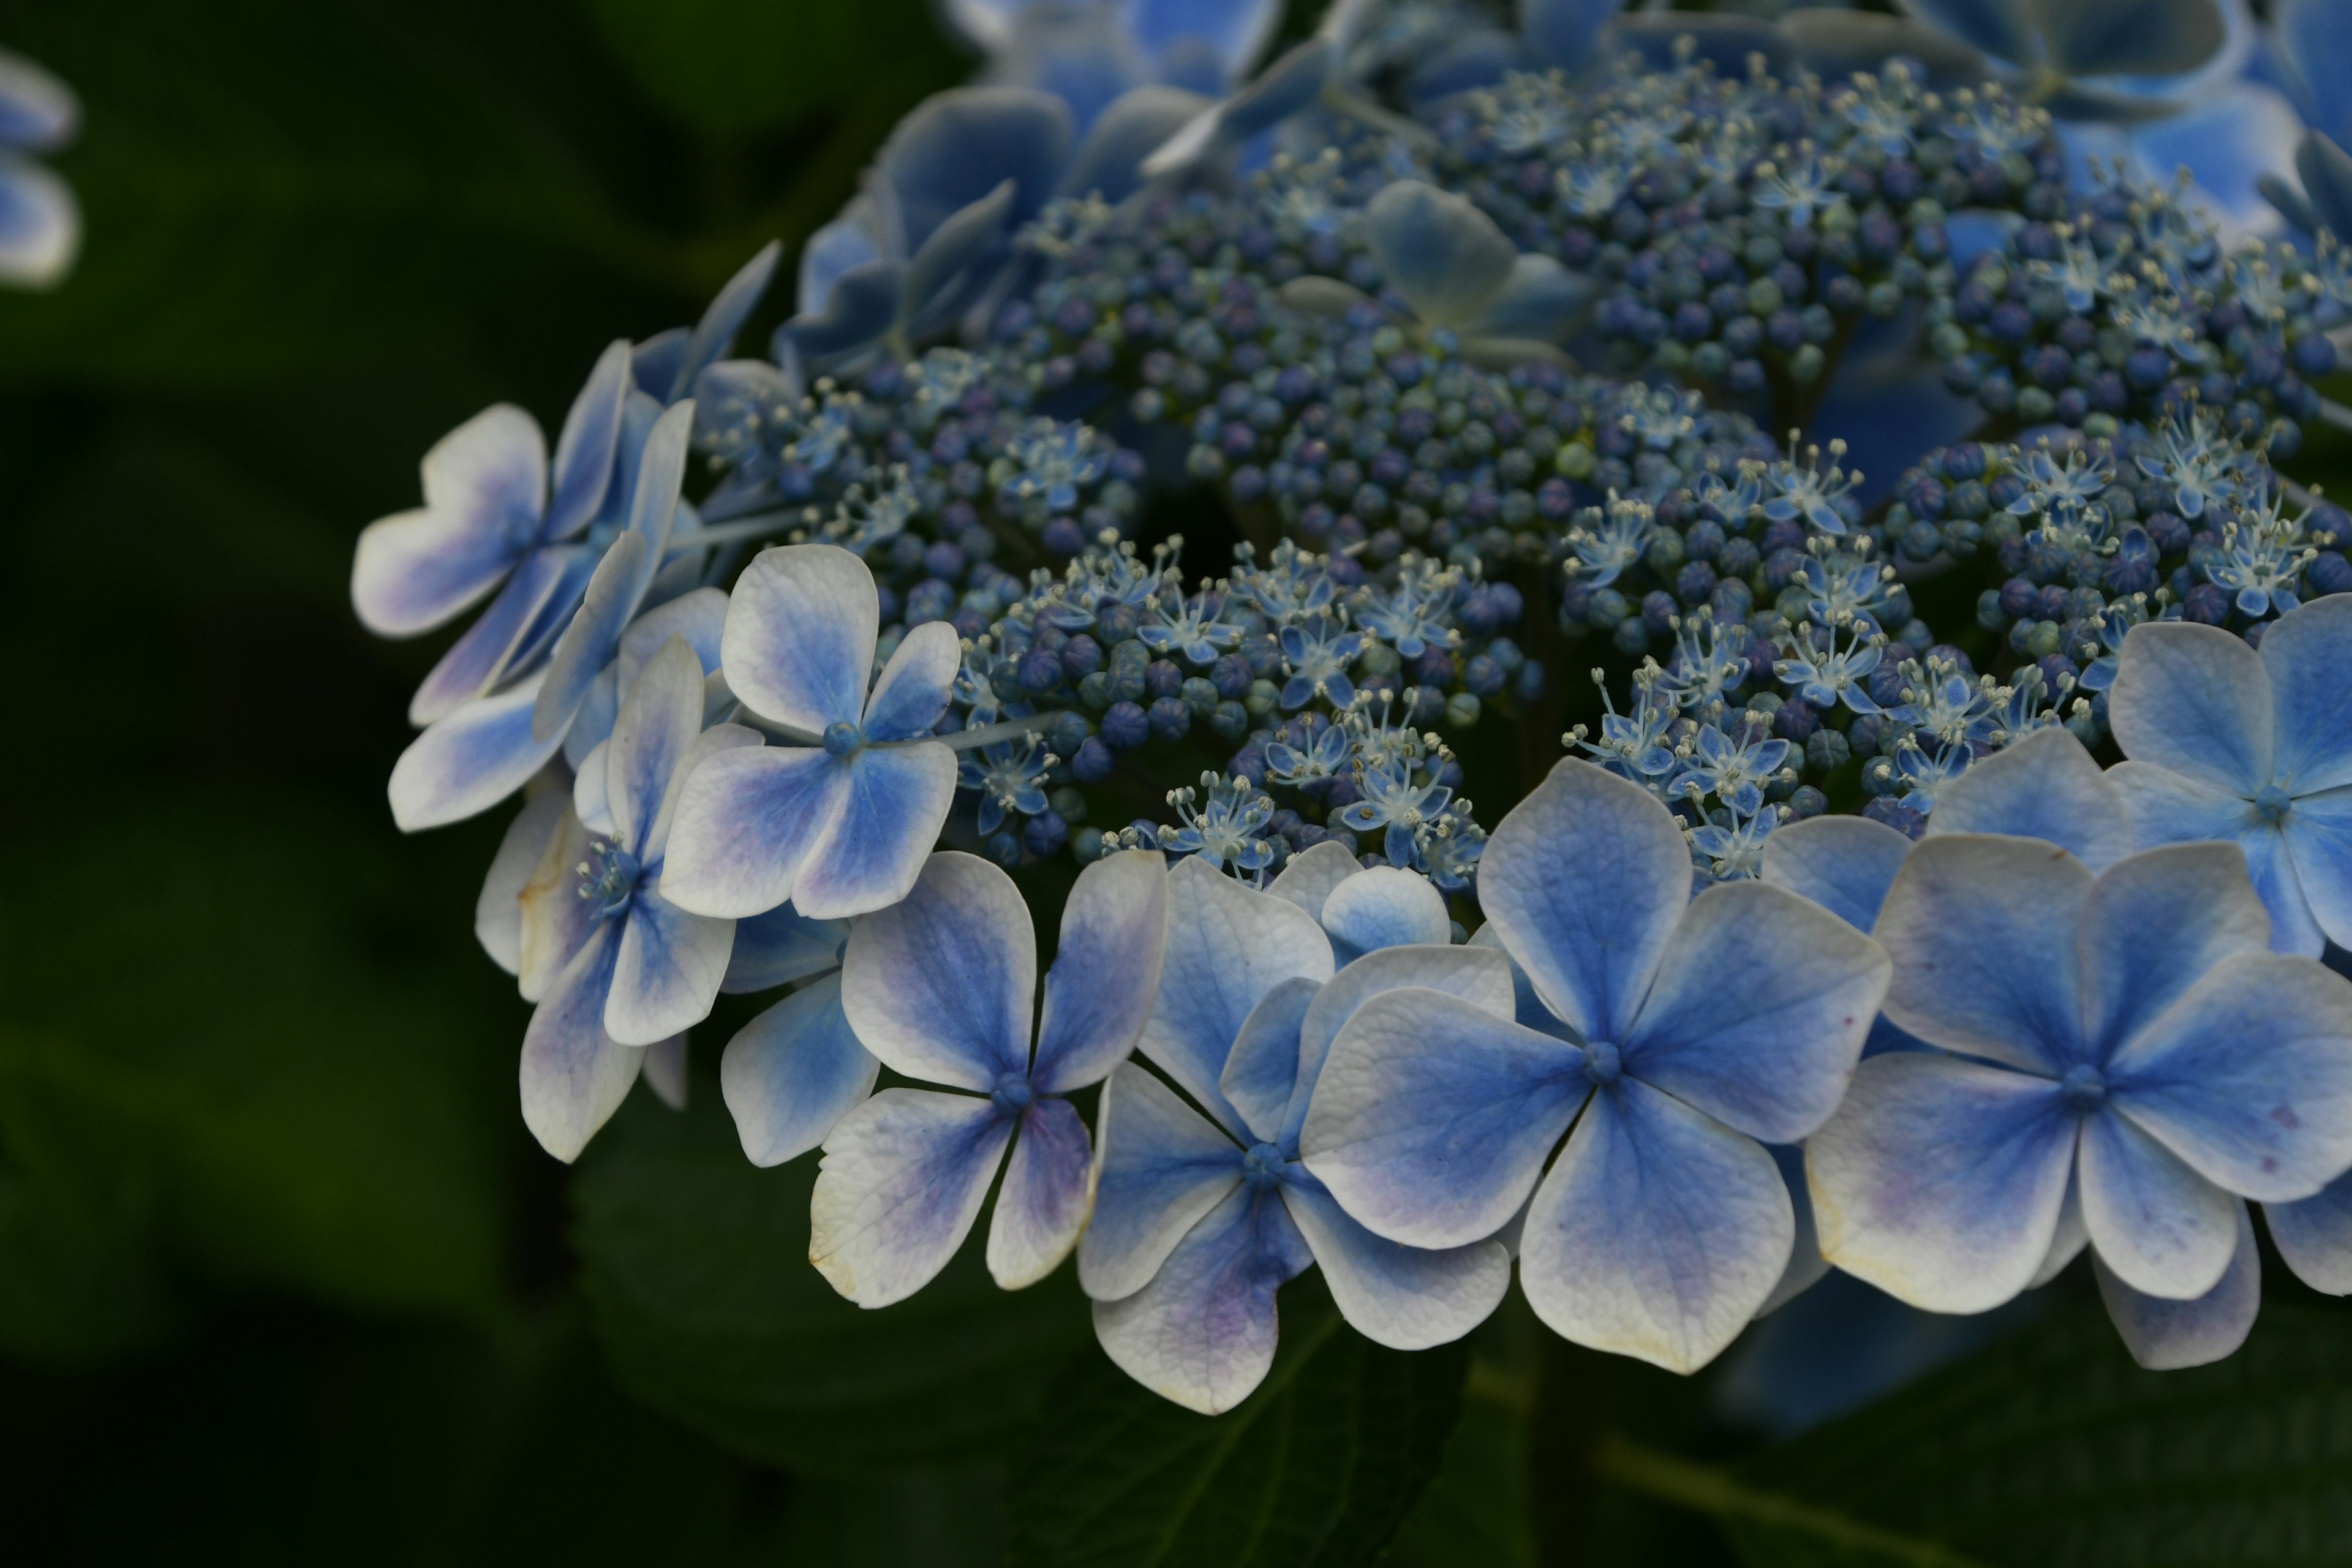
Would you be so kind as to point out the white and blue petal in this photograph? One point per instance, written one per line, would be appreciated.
(912, 690)
(2318, 840)
(36, 109)
(2163, 1228)
(1481, 975)
(2195, 700)
(1109, 160)
(712, 742)
(1261, 1074)
(1758, 1010)
(894, 803)
(512, 630)
(2165, 1335)
(903, 1178)
(497, 909)
(40, 224)
(575, 1074)
(1406, 1298)
(958, 145)
(746, 821)
(1658, 1234)
(1939, 1181)
(665, 1071)
(799, 643)
(938, 985)
(661, 714)
(2154, 923)
(1311, 877)
(1845, 864)
(2307, 654)
(483, 483)
(792, 1072)
(2046, 786)
(593, 636)
(2314, 1236)
(557, 921)
(1437, 249)
(1106, 971)
(469, 759)
(1236, 31)
(781, 946)
(1384, 907)
(2001, 28)
(588, 444)
(1047, 1189)
(666, 972)
(1159, 1167)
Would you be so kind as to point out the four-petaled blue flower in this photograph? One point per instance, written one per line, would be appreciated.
(1316, 657)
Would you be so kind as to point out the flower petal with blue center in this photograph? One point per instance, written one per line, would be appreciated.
(794, 1072)
(2167, 1335)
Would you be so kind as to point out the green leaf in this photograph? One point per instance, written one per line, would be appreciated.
(2052, 1447)
(1316, 1469)
(1476, 1508)
(695, 1264)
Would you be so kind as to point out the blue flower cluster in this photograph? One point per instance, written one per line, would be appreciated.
(1936, 954)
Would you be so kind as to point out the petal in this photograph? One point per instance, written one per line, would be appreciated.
(2316, 37)
(1478, 975)
(1658, 1234)
(2167, 808)
(781, 946)
(1201, 1332)
(1564, 33)
(2226, 139)
(2072, 1235)
(1437, 249)
(1940, 1181)
(700, 617)
(469, 761)
(1384, 907)
(2000, 27)
(714, 334)
(2167, 1335)
(2195, 700)
(1238, 30)
(1042, 1204)
(940, 985)
(1406, 1298)
(497, 910)
(1311, 877)
(971, 237)
(1433, 1116)
(1758, 1010)
(860, 308)
(546, 585)
(912, 691)
(1109, 160)
(1262, 1071)
(745, 822)
(1227, 947)
(588, 444)
(483, 484)
(36, 109)
(2314, 1237)
(1590, 941)
(668, 972)
(2306, 653)
(2046, 786)
(1834, 43)
(1106, 971)
(799, 645)
(556, 921)
(1845, 864)
(592, 798)
(575, 1074)
(957, 144)
(2130, 37)
(665, 1071)
(2248, 1076)
(1540, 302)
(592, 635)
(2318, 835)
(903, 1177)
(40, 224)
(896, 803)
(848, 241)
(793, 1071)
(1807, 1267)
(1982, 933)
(661, 713)
(2154, 923)
(719, 738)
(1159, 1166)
(2159, 1226)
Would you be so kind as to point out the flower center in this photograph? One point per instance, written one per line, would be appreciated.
(2084, 1088)
(843, 738)
(1600, 1063)
(1262, 1166)
(2272, 804)
(608, 877)
(1014, 1093)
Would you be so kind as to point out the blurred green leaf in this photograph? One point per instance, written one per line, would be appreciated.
(1316, 1469)
(695, 1263)
(1475, 1513)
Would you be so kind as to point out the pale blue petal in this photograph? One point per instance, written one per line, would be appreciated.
(40, 224)
(1287, 85)
(1845, 864)
(983, 24)
(2001, 28)
(2151, 927)
(2130, 37)
(660, 716)
(859, 309)
(1939, 1181)
(2072, 1235)
(2249, 1077)
(1237, 30)
(483, 484)
(903, 1178)
(592, 799)
(792, 1072)
(2162, 1227)
(2228, 141)
(1433, 1118)
(698, 616)
(746, 821)
(593, 636)
(2308, 656)
(1311, 877)
(1759, 1010)
(2167, 808)
(1262, 1072)
(2046, 786)
(1541, 301)
(2314, 1237)
(1227, 947)
(666, 974)
(546, 584)
(940, 985)
(36, 109)
(799, 643)
(2315, 37)
(2318, 832)
(1437, 249)
(2271, 861)
(955, 148)
(497, 910)
(1110, 162)
(1834, 43)
(1078, 55)
(896, 803)
(2195, 700)
(1564, 33)
(912, 690)
(1162, 1166)
(2165, 1335)
(1202, 1333)
(469, 761)
(1658, 1234)
(1406, 1298)
(723, 318)
(575, 1074)
(781, 946)
(1982, 933)
(969, 236)
(1480, 975)
(1384, 907)
(1589, 941)
(588, 444)
(1042, 1204)
(653, 364)
(1106, 971)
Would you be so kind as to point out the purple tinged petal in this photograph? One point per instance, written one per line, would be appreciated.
(484, 482)
(588, 444)
(781, 946)
(1042, 1204)
(746, 821)
(1202, 1333)
(575, 1074)
(1385, 907)
(2163, 1228)
(2314, 1236)
(799, 646)
(1159, 1166)
(1478, 975)
(903, 1178)
(2196, 700)
(1433, 1116)
(497, 910)
(2046, 786)
(1406, 1298)
(2168, 1335)
(1106, 971)
(1658, 1234)
(1589, 942)
(2154, 923)
(1940, 1181)
(1758, 1010)
(1262, 1071)
(1845, 864)
(2319, 841)
(940, 985)
(1982, 933)
(912, 691)
(792, 1072)
(895, 804)
(712, 741)
(467, 762)
(2248, 1076)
